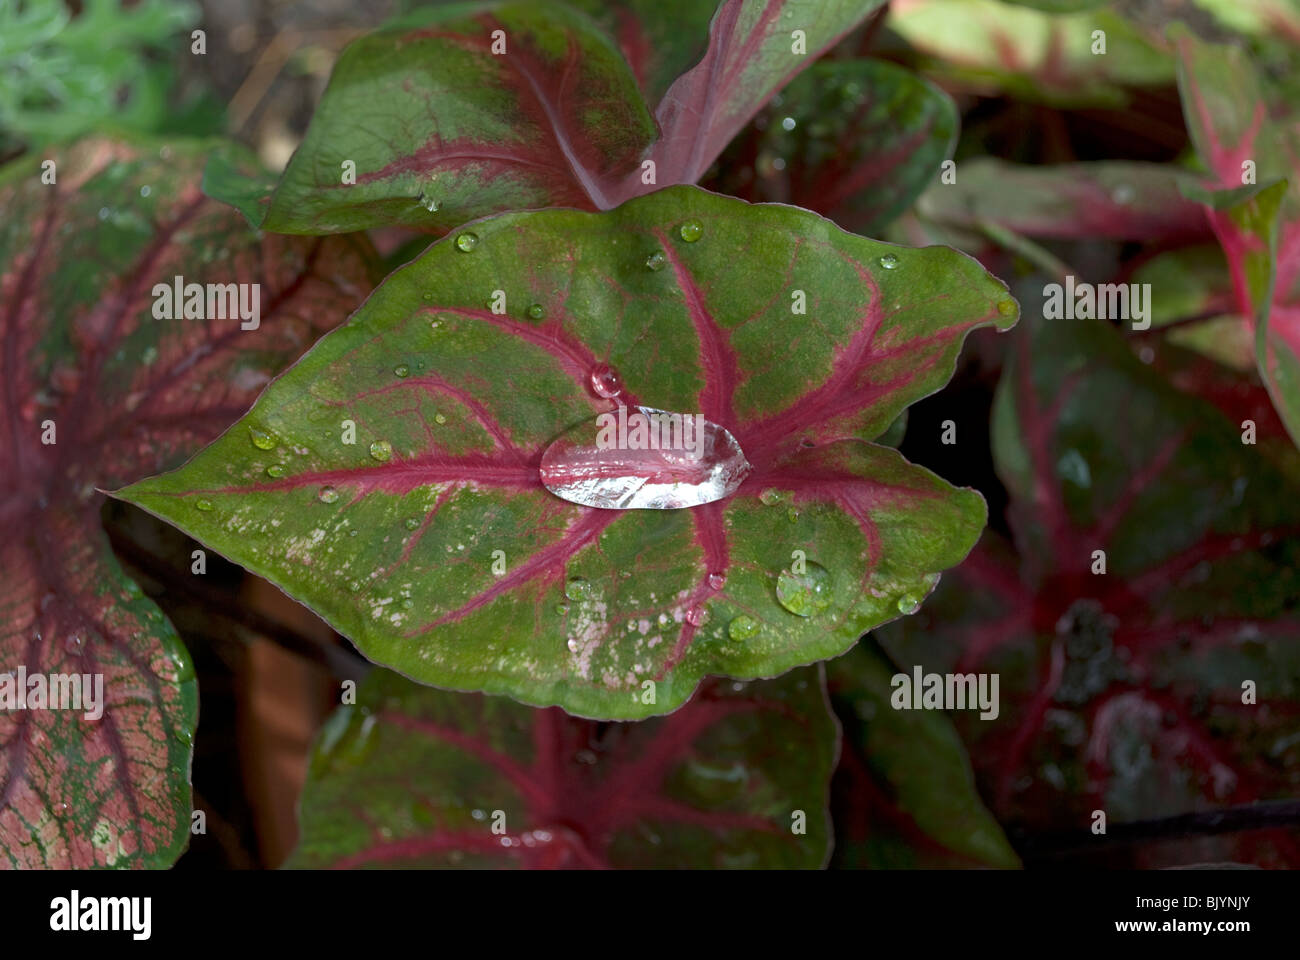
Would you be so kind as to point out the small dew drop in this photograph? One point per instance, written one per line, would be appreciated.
(261, 439)
(909, 603)
(275, 470)
(354, 586)
(744, 627)
(579, 589)
(327, 495)
(691, 230)
(466, 242)
(381, 450)
(402, 370)
(1006, 307)
(717, 581)
(74, 644)
(804, 594)
(439, 418)
(697, 616)
(537, 311)
(788, 123)
(411, 522)
(605, 381)
(770, 497)
(204, 504)
(889, 261)
(146, 190)
(656, 260)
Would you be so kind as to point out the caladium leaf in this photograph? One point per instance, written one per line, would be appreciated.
(430, 540)
(99, 390)
(1144, 626)
(1118, 200)
(990, 46)
(904, 792)
(413, 777)
(854, 140)
(554, 116)
(1246, 138)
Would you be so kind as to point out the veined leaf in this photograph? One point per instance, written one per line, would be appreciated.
(97, 391)
(430, 540)
(413, 777)
(555, 117)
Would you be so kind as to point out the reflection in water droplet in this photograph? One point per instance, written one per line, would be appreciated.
(537, 311)
(381, 450)
(805, 594)
(889, 261)
(909, 603)
(402, 370)
(466, 242)
(691, 230)
(327, 495)
(275, 470)
(656, 260)
(644, 459)
(744, 627)
(605, 381)
(261, 439)
(203, 504)
(579, 589)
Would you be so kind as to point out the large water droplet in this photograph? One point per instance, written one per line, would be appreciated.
(641, 458)
(605, 381)
(805, 594)
(744, 627)
(381, 450)
(889, 261)
(691, 230)
(656, 260)
(261, 439)
(327, 494)
(466, 242)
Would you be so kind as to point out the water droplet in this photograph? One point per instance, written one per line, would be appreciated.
(354, 586)
(792, 515)
(411, 522)
(605, 381)
(381, 450)
(691, 230)
(805, 594)
(327, 494)
(439, 418)
(889, 261)
(203, 504)
(146, 190)
(697, 616)
(275, 470)
(74, 644)
(717, 581)
(689, 461)
(408, 603)
(261, 439)
(429, 296)
(743, 628)
(909, 603)
(428, 201)
(537, 311)
(466, 242)
(579, 588)
(1006, 307)
(788, 123)
(1123, 194)
(770, 497)
(656, 260)
(402, 370)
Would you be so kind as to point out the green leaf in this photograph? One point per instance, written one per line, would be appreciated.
(908, 795)
(394, 538)
(854, 140)
(97, 390)
(412, 777)
(557, 119)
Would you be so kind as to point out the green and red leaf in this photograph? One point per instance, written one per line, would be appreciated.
(560, 118)
(1125, 690)
(98, 392)
(413, 777)
(396, 545)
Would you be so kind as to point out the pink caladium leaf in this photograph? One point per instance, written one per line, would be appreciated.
(1248, 139)
(99, 388)
(416, 778)
(1144, 623)
(403, 496)
(522, 105)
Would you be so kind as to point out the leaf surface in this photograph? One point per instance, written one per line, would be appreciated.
(413, 777)
(97, 392)
(430, 540)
